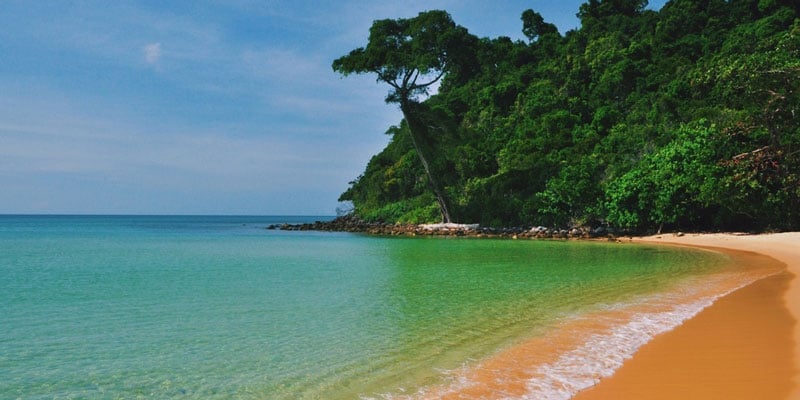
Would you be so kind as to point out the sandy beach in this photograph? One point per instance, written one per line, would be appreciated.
(745, 346)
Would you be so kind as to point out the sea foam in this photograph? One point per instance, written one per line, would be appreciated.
(602, 354)
(626, 328)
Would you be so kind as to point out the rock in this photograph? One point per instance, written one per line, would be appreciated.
(539, 229)
(449, 226)
(351, 223)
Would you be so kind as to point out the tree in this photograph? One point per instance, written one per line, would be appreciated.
(533, 25)
(687, 117)
(676, 184)
(762, 156)
(411, 55)
(605, 8)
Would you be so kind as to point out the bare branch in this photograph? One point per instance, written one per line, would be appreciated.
(750, 153)
(424, 85)
(413, 81)
(407, 77)
(394, 84)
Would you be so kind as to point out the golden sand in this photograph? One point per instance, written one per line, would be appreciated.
(741, 347)
(745, 346)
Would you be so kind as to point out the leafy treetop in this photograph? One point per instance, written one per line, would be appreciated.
(409, 54)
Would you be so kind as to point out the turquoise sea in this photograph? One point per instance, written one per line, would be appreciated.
(218, 307)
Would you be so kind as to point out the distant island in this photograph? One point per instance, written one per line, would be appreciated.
(683, 118)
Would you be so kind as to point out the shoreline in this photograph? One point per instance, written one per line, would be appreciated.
(584, 353)
(353, 224)
(745, 345)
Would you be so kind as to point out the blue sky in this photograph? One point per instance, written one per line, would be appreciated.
(200, 107)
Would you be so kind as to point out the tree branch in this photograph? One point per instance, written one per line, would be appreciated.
(407, 77)
(424, 85)
(393, 84)
(750, 153)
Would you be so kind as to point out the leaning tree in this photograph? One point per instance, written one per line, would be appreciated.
(412, 55)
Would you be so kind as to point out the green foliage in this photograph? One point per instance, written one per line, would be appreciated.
(416, 210)
(571, 196)
(403, 51)
(685, 118)
(411, 55)
(674, 185)
(534, 26)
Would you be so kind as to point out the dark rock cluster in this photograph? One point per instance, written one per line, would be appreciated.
(350, 223)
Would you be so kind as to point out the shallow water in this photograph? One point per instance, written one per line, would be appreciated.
(219, 307)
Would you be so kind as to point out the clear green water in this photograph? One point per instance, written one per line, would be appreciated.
(219, 307)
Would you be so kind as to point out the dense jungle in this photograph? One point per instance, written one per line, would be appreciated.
(643, 120)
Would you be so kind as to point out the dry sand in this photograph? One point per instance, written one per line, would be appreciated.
(745, 346)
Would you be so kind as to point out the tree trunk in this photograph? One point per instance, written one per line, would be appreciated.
(417, 130)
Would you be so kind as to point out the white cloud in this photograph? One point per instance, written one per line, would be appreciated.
(152, 53)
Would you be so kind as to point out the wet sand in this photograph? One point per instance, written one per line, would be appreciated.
(745, 346)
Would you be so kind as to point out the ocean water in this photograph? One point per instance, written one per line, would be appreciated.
(198, 307)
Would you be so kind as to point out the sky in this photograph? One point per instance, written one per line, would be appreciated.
(201, 107)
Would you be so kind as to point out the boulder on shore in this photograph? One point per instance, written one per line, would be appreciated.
(449, 226)
(352, 223)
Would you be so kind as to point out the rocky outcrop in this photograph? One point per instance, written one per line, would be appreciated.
(351, 223)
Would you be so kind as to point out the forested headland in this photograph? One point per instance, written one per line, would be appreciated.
(682, 118)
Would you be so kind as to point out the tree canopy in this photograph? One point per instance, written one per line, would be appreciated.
(411, 55)
(682, 118)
